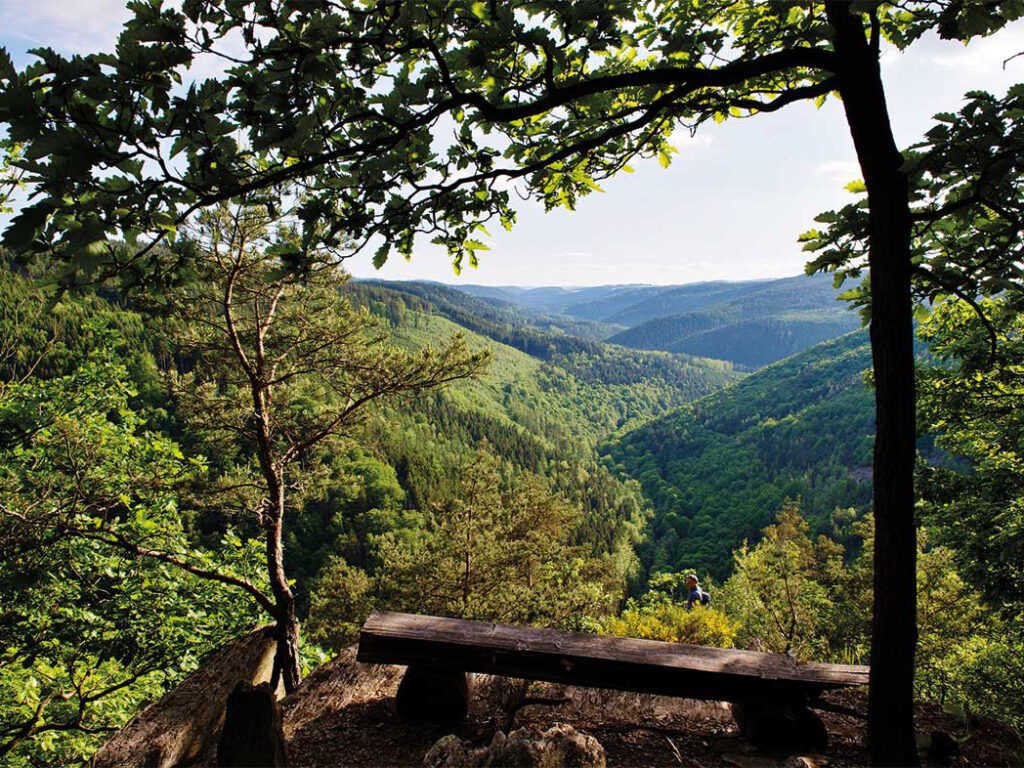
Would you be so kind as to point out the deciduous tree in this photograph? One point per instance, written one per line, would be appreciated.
(105, 595)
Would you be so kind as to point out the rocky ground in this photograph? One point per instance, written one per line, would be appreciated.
(343, 715)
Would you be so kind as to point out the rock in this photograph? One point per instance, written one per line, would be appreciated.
(335, 688)
(780, 727)
(497, 742)
(182, 726)
(252, 735)
(805, 761)
(433, 695)
(560, 746)
(453, 752)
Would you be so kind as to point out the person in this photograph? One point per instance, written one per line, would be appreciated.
(697, 596)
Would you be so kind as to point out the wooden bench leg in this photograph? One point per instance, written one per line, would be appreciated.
(433, 695)
(780, 726)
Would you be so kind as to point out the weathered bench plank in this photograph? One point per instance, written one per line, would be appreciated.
(573, 658)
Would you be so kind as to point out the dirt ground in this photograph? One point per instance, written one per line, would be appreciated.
(344, 716)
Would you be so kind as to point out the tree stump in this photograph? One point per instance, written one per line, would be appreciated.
(253, 735)
(780, 726)
(435, 695)
(942, 748)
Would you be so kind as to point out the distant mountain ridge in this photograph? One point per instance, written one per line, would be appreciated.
(553, 299)
(750, 323)
(641, 305)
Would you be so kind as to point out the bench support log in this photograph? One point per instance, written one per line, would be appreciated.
(780, 726)
(433, 694)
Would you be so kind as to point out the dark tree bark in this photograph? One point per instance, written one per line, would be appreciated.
(286, 660)
(894, 621)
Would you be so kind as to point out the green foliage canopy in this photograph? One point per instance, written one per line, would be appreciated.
(498, 550)
(967, 208)
(793, 590)
(974, 409)
(96, 555)
(348, 99)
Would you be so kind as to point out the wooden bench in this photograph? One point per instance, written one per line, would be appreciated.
(439, 651)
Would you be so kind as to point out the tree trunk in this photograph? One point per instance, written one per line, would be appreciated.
(286, 660)
(252, 734)
(894, 622)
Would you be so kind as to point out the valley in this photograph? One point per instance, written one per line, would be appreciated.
(580, 478)
(713, 451)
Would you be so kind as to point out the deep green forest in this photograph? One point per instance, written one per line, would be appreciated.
(718, 469)
(647, 464)
(642, 464)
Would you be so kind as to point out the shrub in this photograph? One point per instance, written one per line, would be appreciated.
(339, 604)
(671, 622)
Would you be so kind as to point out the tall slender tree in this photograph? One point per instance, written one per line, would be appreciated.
(286, 365)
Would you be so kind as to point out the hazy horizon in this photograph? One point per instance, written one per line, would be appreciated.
(580, 286)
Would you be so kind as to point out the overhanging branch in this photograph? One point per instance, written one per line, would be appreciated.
(118, 540)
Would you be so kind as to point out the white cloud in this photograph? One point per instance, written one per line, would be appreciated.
(683, 140)
(73, 26)
(839, 171)
(987, 55)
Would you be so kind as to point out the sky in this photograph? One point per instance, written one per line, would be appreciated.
(730, 207)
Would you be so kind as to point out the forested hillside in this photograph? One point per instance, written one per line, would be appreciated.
(523, 326)
(530, 422)
(543, 413)
(718, 469)
(545, 402)
(607, 388)
(609, 468)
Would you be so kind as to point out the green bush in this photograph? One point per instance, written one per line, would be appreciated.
(671, 622)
